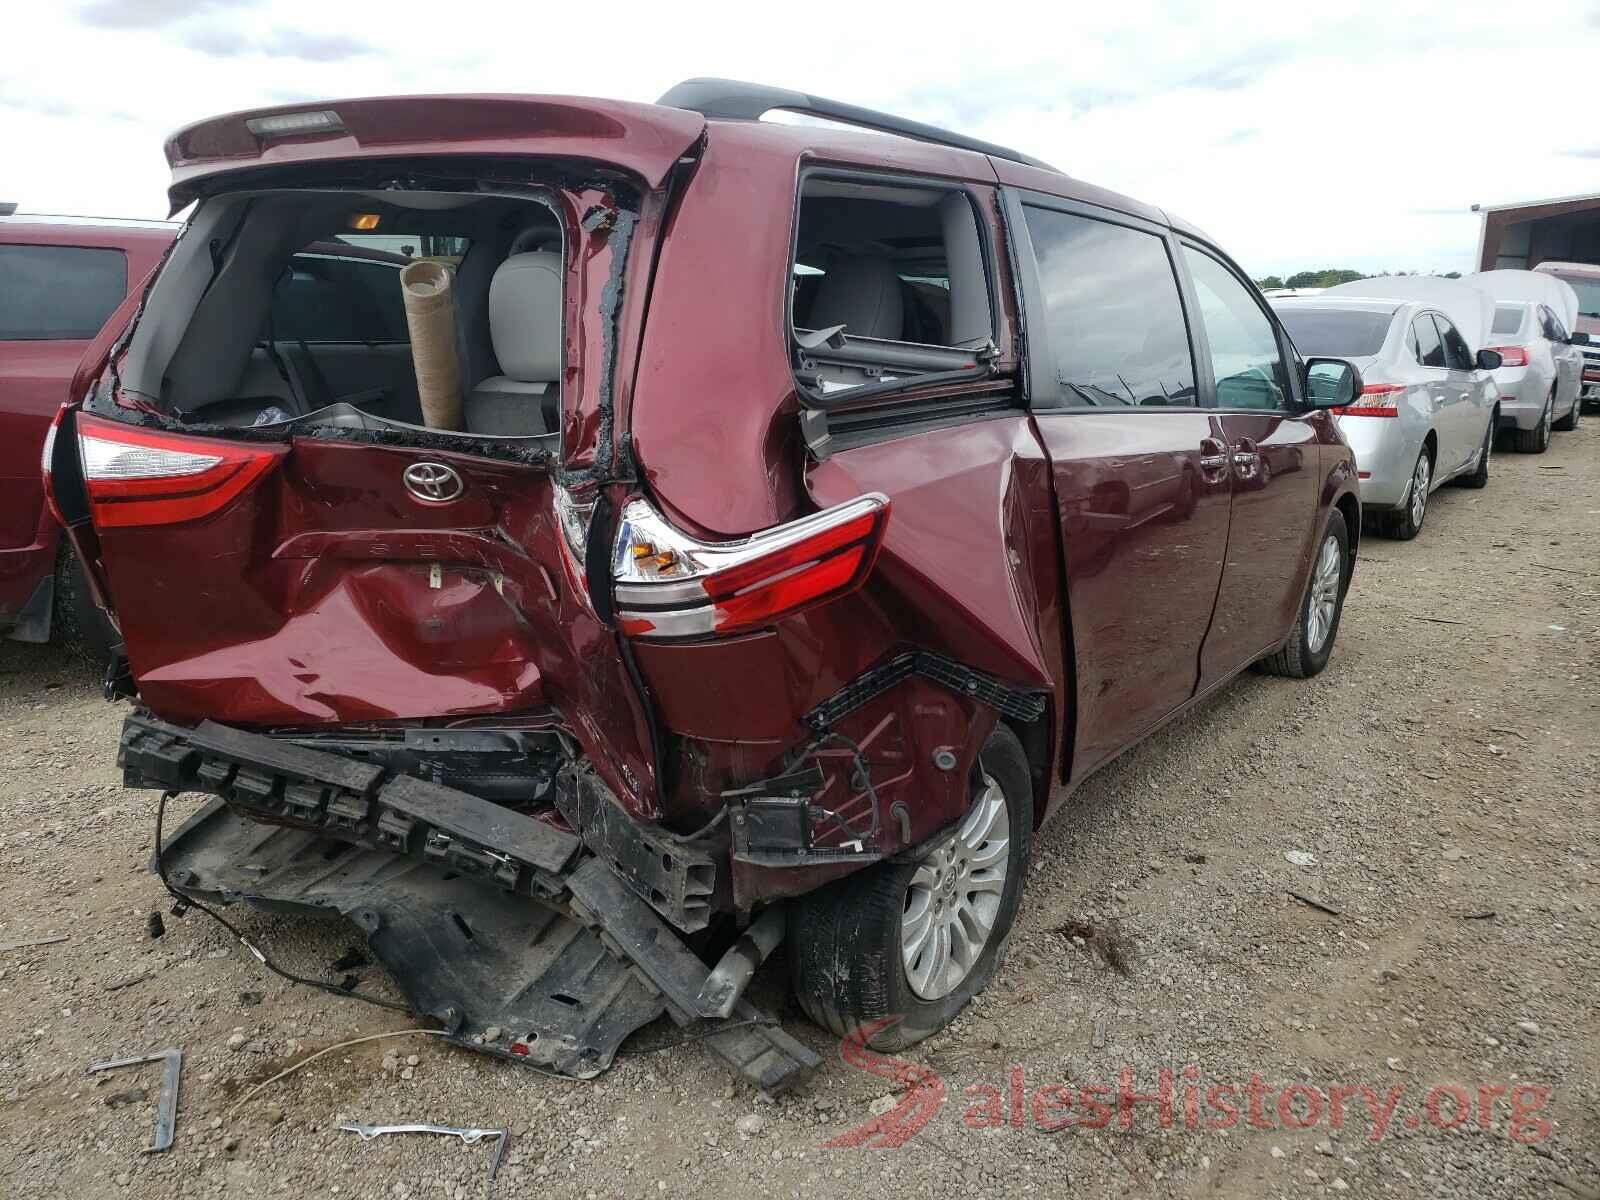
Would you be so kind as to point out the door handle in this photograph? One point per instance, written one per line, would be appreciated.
(1213, 455)
(1246, 455)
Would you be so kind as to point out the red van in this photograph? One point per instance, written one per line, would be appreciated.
(774, 527)
(60, 278)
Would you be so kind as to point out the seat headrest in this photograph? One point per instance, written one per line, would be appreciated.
(863, 295)
(525, 316)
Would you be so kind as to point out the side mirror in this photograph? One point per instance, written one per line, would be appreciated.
(1489, 360)
(1579, 339)
(1331, 383)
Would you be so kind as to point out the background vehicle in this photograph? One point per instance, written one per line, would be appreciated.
(1541, 366)
(1584, 279)
(1429, 407)
(60, 278)
(785, 604)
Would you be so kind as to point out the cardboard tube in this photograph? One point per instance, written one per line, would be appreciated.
(431, 318)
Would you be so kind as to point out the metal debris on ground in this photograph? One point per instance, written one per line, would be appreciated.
(167, 1105)
(469, 1136)
(49, 940)
(155, 925)
(116, 985)
(1315, 902)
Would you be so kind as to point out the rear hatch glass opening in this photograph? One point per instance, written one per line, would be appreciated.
(287, 310)
(888, 286)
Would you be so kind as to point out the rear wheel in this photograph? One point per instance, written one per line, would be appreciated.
(918, 940)
(1537, 439)
(1406, 522)
(1311, 641)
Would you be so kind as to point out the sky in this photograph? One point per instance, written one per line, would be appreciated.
(1298, 135)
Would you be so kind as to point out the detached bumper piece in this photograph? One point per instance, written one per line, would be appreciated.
(500, 926)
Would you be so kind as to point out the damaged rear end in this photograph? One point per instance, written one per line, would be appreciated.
(403, 599)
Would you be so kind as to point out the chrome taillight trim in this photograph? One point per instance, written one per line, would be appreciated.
(676, 604)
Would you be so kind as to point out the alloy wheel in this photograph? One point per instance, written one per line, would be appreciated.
(954, 897)
(1323, 601)
(1419, 488)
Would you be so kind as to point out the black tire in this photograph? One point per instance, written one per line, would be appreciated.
(79, 623)
(1404, 523)
(1537, 439)
(1480, 476)
(844, 939)
(1570, 422)
(1297, 659)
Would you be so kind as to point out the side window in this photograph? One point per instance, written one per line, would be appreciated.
(1552, 326)
(1244, 346)
(1425, 342)
(891, 264)
(321, 298)
(1456, 355)
(888, 283)
(58, 293)
(1112, 311)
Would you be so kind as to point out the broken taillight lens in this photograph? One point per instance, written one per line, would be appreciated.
(148, 477)
(670, 585)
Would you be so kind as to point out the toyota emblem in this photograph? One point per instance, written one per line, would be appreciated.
(432, 483)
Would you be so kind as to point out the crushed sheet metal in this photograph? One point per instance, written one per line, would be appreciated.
(167, 1105)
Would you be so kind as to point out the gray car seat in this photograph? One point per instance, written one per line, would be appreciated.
(864, 295)
(525, 327)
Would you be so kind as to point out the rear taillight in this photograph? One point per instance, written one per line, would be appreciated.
(1511, 356)
(46, 457)
(147, 477)
(670, 585)
(1376, 400)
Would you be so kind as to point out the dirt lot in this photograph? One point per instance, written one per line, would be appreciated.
(1443, 775)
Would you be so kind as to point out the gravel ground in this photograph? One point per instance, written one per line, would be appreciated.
(1441, 776)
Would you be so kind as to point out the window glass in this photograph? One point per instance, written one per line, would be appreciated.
(1456, 355)
(1507, 319)
(1244, 347)
(1425, 343)
(1552, 326)
(1112, 311)
(1336, 333)
(324, 298)
(58, 293)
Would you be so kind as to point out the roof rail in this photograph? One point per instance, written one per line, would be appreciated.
(730, 100)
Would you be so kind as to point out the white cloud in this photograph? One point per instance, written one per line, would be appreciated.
(1297, 138)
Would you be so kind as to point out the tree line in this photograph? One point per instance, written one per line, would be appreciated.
(1332, 276)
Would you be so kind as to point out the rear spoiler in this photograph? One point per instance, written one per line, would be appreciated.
(642, 139)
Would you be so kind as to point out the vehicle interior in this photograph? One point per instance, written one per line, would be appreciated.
(281, 304)
(888, 283)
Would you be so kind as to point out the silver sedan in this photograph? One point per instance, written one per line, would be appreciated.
(1428, 411)
(1540, 375)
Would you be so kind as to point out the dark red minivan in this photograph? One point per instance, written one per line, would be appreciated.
(749, 534)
